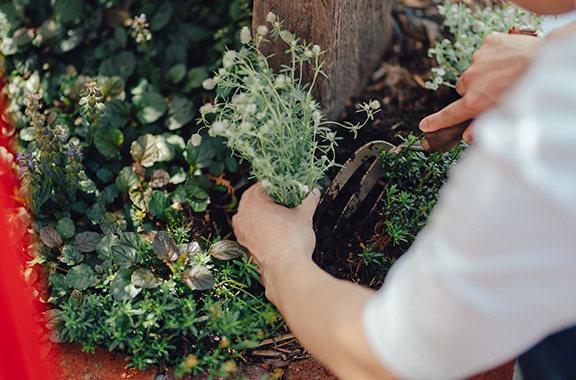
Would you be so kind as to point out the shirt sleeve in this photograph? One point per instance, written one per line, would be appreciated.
(494, 271)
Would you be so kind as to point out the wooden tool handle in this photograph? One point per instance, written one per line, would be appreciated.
(444, 139)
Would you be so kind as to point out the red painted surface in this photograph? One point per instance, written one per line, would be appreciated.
(20, 349)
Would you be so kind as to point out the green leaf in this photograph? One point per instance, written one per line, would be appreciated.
(108, 195)
(112, 224)
(161, 18)
(122, 64)
(144, 278)
(177, 175)
(196, 76)
(192, 153)
(227, 250)
(177, 72)
(124, 256)
(105, 175)
(95, 213)
(127, 179)
(50, 237)
(108, 141)
(59, 285)
(165, 248)
(71, 255)
(81, 277)
(181, 111)
(105, 245)
(87, 241)
(144, 150)
(68, 10)
(196, 193)
(112, 87)
(141, 198)
(158, 203)
(151, 105)
(166, 150)
(66, 227)
(117, 113)
(121, 287)
(199, 278)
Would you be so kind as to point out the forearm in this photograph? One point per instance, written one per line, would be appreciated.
(325, 314)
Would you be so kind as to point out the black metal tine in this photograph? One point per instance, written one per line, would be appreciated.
(368, 181)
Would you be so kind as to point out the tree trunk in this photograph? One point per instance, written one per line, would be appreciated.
(354, 34)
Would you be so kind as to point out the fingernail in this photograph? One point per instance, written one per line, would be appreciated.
(423, 125)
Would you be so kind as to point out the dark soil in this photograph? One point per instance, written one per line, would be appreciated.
(399, 84)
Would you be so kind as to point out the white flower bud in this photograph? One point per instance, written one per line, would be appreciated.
(264, 129)
(375, 105)
(245, 35)
(316, 49)
(251, 108)
(209, 84)
(280, 81)
(217, 128)
(207, 108)
(262, 30)
(270, 17)
(245, 127)
(316, 116)
(196, 139)
(286, 36)
(266, 183)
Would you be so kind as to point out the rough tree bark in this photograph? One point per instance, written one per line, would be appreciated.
(354, 34)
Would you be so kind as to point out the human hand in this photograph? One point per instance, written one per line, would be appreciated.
(495, 67)
(272, 233)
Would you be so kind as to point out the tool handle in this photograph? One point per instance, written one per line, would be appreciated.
(444, 139)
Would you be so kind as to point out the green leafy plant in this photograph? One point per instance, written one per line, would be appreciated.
(468, 26)
(414, 180)
(271, 119)
(181, 305)
(126, 268)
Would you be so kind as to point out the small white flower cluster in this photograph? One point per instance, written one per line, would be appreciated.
(469, 28)
(271, 120)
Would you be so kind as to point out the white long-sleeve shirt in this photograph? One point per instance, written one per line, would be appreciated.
(494, 271)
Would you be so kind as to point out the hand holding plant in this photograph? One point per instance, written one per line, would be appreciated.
(271, 119)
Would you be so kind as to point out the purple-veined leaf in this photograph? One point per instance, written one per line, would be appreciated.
(227, 250)
(50, 237)
(86, 241)
(199, 278)
(165, 248)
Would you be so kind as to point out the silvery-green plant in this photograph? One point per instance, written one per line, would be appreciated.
(470, 26)
(271, 119)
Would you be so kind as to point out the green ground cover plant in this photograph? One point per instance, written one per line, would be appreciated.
(413, 181)
(104, 97)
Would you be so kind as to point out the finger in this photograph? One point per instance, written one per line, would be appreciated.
(454, 113)
(467, 136)
(460, 85)
(255, 191)
(311, 202)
